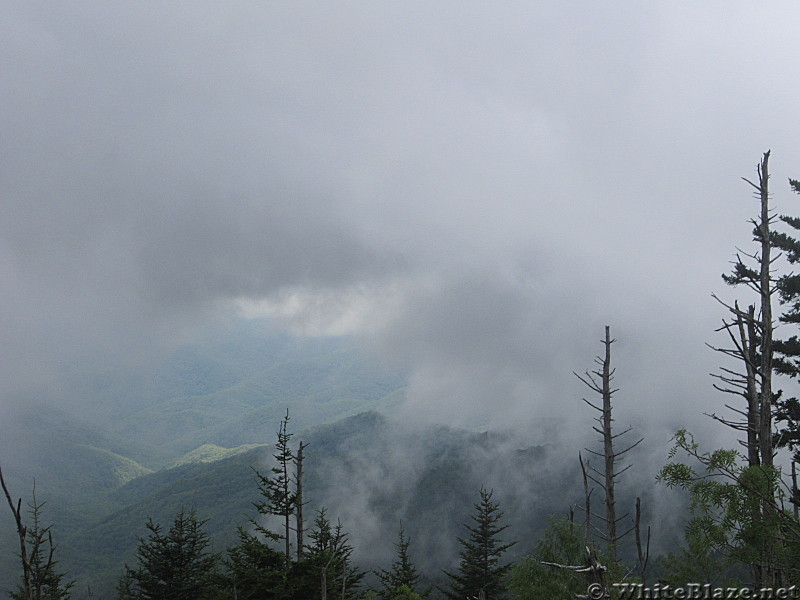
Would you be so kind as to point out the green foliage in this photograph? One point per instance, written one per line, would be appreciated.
(787, 361)
(94, 543)
(255, 571)
(328, 564)
(737, 510)
(175, 565)
(480, 569)
(211, 453)
(698, 561)
(562, 543)
(231, 389)
(405, 592)
(402, 577)
(278, 497)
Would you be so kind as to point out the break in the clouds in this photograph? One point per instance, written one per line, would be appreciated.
(477, 187)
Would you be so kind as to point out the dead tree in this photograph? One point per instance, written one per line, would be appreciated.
(600, 381)
(743, 330)
(795, 491)
(643, 555)
(587, 502)
(751, 334)
(595, 575)
(765, 291)
(22, 532)
(36, 551)
(298, 500)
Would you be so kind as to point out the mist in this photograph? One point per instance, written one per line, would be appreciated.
(468, 192)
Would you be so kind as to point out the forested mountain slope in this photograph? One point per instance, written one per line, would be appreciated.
(365, 469)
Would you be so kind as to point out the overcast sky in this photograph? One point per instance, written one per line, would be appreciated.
(475, 187)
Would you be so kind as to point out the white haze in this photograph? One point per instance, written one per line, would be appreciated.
(474, 189)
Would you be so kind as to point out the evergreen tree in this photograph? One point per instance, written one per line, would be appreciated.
(327, 570)
(404, 592)
(403, 573)
(787, 361)
(255, 571)
(175, 565)
(279, 499)
(480, 570)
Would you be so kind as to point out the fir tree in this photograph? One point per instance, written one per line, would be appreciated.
(403, 573)
(480, 571)
(404, 592)
(175, 565)
(327, 570)
(254, 570)
(787, 361)
(279, 499)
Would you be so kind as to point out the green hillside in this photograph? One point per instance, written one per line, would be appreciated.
(195, 444)
(238, 404)
(211, 453)
(366, 470)
(221, 491)
(214, 400)
(363, 468)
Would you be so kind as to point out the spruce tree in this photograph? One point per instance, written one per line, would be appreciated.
(403, 573)
(480, 571)
(175, 565)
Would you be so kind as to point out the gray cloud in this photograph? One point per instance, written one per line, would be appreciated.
(513, 176)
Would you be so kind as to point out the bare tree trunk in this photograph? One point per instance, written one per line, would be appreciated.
(643, 555)
(594, 570)
(754, 347)
(22, 531)
(770, 576)
(587, 498)
(299, 501)
(607, 478)
(795, 492)
(753, 396)
(608, 452)
(765, 422)
(344, 577)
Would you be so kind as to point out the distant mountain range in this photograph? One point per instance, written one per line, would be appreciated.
(210, 418)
